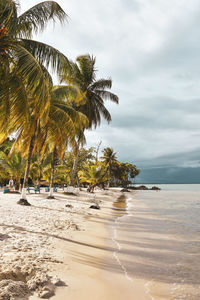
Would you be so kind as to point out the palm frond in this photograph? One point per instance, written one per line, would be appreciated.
(70, 94)
(86, 63)
(31, 72)
(106, 95)
(103, 111)
(101, 84)
(8, 15)
(18, 100)
(47, 55)
(36, 18)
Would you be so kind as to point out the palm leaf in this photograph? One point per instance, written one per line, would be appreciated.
(70, 94)
(8, 15)
(47, 55)
(107, 95)
(32, 73)
(35, 19)
(101, 84)
(86, 63)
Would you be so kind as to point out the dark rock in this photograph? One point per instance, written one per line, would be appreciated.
(23, 202)
(124, 190)
(50, 197)
(69, 194)
(142, 187)
(155, 188)
(95, 206)
(69, 206)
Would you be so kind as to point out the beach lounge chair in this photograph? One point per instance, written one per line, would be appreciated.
(37, 189)
(5, 191)
(29, 189)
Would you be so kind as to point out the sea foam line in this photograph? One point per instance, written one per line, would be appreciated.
(114, 239)
(147, 288)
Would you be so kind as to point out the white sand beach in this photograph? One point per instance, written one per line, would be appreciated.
(48, 245)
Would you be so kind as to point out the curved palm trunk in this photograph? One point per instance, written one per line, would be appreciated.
(52, 175)
(23, 199)
(74, 169)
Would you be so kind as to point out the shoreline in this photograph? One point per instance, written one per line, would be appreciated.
(97, 273)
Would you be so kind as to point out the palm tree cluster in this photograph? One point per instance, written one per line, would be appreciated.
(44, 119)
(91, 172)
(108, 170)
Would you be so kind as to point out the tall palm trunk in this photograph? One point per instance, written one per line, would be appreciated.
(17, 184)
(74, 169)
(109, 175)
(52, 175)
(30, 152)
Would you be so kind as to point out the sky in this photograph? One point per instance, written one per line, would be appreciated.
(151, 50)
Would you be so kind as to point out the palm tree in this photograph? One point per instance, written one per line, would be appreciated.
(24, 74)
(83, 76)
(93, 174)
(13, 165)
(109, 158)
(53, 134)
(61, 128)
(37, 167)
(22, 59)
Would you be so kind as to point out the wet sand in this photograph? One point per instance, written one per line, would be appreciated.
(160, 244)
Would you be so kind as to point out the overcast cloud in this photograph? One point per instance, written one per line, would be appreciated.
(151, 49)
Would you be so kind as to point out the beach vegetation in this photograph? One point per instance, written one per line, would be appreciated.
(93, 175)
(12, 167)
(42, 126)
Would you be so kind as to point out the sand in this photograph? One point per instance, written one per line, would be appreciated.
(50, 250)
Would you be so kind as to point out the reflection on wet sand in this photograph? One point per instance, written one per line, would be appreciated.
(120, 204)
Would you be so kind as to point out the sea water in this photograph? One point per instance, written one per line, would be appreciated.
(158, 238)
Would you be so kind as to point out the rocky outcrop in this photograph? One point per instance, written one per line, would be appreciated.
(144, 188)
(124, 190)
(155, 188)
